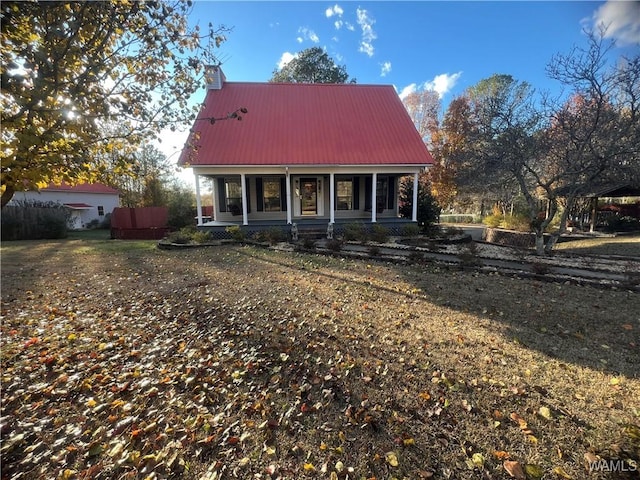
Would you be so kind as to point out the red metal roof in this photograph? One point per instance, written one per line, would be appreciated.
(305, 124)
(81, 188)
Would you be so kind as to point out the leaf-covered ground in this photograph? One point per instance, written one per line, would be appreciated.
(120, 360)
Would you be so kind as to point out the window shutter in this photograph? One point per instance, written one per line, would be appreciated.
(222, 195)
(367, 193)
(247, 196)
(283, 194)
(356, 193)
(259, 194)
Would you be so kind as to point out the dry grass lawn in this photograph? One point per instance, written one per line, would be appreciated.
(120, 360)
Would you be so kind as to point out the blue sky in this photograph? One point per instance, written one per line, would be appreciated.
(446, 46)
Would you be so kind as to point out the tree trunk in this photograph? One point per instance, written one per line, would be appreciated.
(7, 195)
(540, 242)
(553, 239)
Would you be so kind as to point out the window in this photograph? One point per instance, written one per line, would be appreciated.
(100, 211)
(271, 194)
(382, 193)
(344, 194)
(233, 194)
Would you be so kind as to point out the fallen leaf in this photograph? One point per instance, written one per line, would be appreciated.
(501, 455)
(478, 459)
(514, 469)
(545, 413)
(391, 459)
(533, 471)
(559, 471)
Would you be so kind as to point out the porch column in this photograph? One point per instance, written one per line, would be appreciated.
(332, 200)
(414, 211)
(594, 214)
(288, 190)
(374, 195)
(198, 200)
(245, 200)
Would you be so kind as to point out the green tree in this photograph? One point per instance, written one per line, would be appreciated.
(428, 209)
(181, 202)
(69, 68)
(312, 65)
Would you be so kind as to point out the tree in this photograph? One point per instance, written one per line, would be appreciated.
(428, 209)
(181, 202)
(556, 154)
(312, 65)
(69, 68)
(447, 147)
(423, 108)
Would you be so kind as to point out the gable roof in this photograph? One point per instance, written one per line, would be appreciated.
(305, 124)
(81, 188)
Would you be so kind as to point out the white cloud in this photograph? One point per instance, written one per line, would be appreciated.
(349, 26)
(441, 84)
(285, 58)
(411, 88)
(386, 68)
(368, 35)
(621, 21)
(338, 24)
(307, 34)
(335, 10)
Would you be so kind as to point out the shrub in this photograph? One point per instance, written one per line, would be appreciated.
(33, 220)
(334, 245)
(373, 250)
(469, 256)
(309, 243)
(518, 222)
(202, 237)
(492, 221)
(540, 268)
(428, 209)
(380, 233)
(106, 222)
(274, 235)
(179, 237)
(95, 223)
(416, 257)
(236, 233)
(410, 230)
(355, 231)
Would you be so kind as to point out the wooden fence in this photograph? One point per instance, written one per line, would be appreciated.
(143, 223)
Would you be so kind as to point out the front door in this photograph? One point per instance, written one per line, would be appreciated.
(309, 196)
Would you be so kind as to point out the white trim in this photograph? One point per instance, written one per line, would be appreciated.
(332, 200)
(288, 189)
(198, 199)
(374, 196)
(228, 170)
(414, 210)
(245, 200)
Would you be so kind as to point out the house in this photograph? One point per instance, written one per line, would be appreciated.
(304, 154)
(89, 202)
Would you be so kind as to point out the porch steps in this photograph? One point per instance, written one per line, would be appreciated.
(312, 233)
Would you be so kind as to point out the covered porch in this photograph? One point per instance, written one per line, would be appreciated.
(308, 197)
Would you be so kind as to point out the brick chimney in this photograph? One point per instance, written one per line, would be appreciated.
(214, 77)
